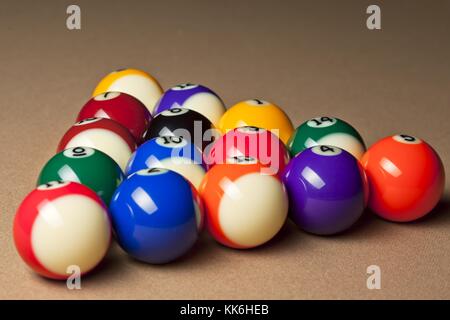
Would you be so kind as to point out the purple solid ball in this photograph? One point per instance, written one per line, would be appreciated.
(327, 189)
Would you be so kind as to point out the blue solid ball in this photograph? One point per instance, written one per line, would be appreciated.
(170, 152)
(156, 215)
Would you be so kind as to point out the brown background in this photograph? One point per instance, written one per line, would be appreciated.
(311, 57)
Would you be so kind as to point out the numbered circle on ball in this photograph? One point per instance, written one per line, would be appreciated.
(250, 129)
(53, 185)
(407, 139)
(106, 96)
(174, 112)
(185, 86)
(241, 160)
(171, 142)
(257, 102)
(152, 172)
(87, 121)
(321, 122)
(329, 151)
(79, 152)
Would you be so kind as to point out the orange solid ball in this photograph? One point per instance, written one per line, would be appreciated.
(406, 178)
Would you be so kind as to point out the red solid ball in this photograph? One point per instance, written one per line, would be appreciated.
(120, 107)
(249, 141)
(406, 178)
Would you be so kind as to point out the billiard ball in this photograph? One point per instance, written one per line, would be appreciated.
(182, 122)
(327, 131)
(249, 141)
(103, 134)
(244, 207)
(59, 225)
(327, 189)
(257, 113)
(406, 177)
(120, 107)
(195, 97)
(157, 215)
(136, 83)
(87, 166)
(174, 153)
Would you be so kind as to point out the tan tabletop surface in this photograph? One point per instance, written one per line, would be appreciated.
(310, 57)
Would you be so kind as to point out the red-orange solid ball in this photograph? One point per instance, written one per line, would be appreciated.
(406, 178)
